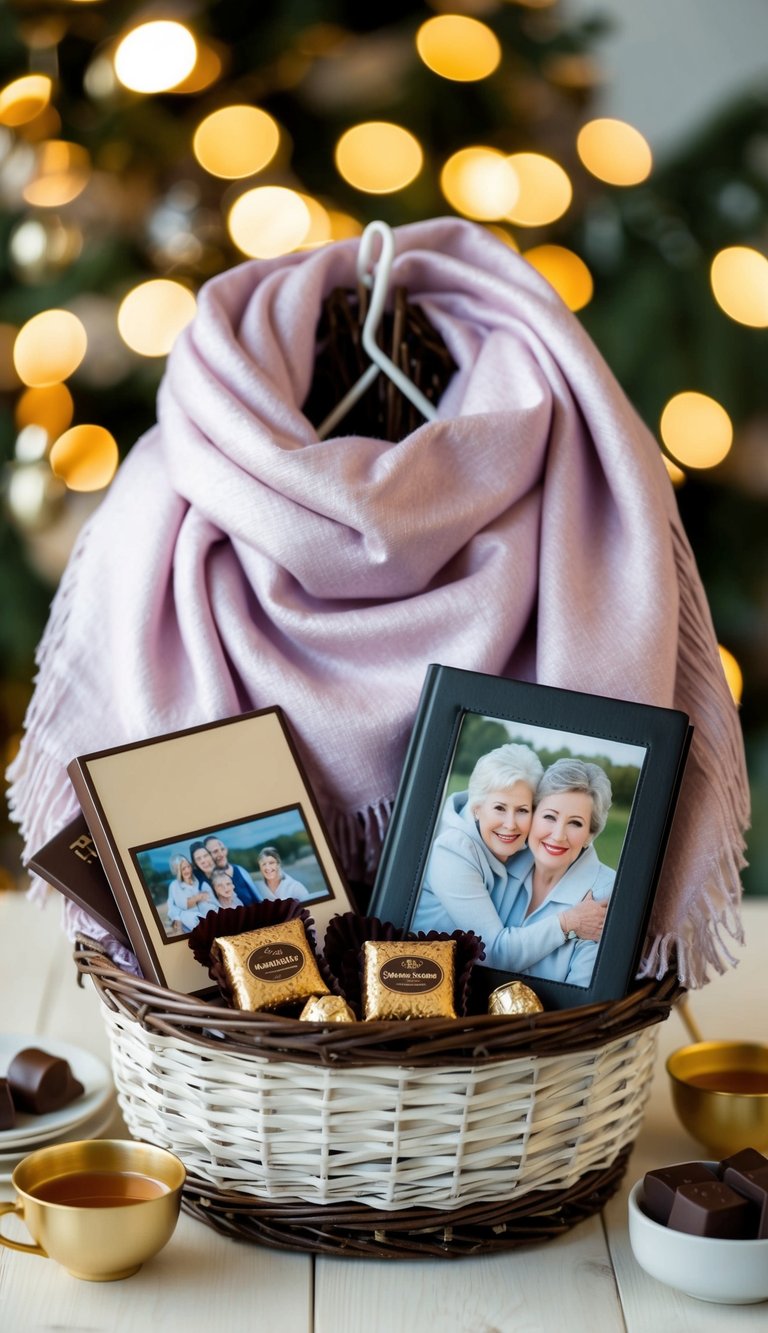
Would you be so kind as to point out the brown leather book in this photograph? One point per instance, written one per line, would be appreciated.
(70, 863)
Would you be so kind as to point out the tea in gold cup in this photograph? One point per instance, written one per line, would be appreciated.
(99, 1207)
(720, 1093)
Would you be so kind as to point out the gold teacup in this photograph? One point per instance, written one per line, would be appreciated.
(99, 1207)
(720, 1094)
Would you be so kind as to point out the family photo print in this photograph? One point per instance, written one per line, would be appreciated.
(259, 859)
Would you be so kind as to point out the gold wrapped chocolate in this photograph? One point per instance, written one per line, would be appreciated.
(408, 978)
(269, 967)
(514, 998)
(327, 1009)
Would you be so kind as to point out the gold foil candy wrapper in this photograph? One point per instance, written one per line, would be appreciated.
(327, 1009)
(408, 978)
(514, 998)
(270, 967)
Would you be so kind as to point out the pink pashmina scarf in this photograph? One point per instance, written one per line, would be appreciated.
(238, 562)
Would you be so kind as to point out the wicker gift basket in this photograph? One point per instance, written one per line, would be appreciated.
(440, 1137)
(434, 1137)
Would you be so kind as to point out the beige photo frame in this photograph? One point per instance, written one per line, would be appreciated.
(240, 773)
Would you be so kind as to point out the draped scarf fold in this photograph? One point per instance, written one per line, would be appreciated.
(530, 531)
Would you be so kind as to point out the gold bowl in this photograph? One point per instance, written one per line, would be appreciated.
(720, 1094)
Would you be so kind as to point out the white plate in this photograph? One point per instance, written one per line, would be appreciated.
(91, 1072)
(84, 1129)
(92, 1129)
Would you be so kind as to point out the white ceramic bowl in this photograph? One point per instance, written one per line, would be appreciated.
(729, 1272)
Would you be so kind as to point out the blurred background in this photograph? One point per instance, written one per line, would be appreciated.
(623, 149)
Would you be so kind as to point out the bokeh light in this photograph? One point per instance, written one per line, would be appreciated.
(34, 495)
(696, 429)
(205, 71)
(733, 673)
(62, 171)
(155, 56)
(503, 235)
(45, 126)
(319, 232)
(614, 151)
(9, 376)
(545, 190)
(269, 220)
(24, 99)
(565, 271)
(378, 157)
(40, 247)
(480, 183)
(236, 141)
(343, 225)
(675, 473)
(49, 348)
(458, 48)
(152, 315)
(739, 278)
(52, 408)
(31, 444)
(85, 458)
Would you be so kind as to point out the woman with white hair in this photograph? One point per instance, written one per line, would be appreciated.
(571, 808)
(478, 860)
(188, 900)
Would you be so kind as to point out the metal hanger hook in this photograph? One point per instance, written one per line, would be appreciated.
(376, 276)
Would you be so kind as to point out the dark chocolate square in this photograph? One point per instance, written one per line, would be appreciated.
(750, 1179)
(712, 1208)
(659, 1186)
(749, 1159)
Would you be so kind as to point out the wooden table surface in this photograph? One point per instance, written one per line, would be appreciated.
(585, 1282)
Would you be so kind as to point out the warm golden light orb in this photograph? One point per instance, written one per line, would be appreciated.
(85, 458)
(696, 429)
(155, 56)
(269, 220)
(733, 673)
(503, 235)
(319, 232)
(545, 190)
(458, 48)
(480, 183)
(343, 225)
(236, 141)
(52, 408)
(378, 157)
(152, 315)
(62, 172)
(565, 271)
(614, 151)
(9, 376)
(49, 347)
(739, 278)
(24, 99)
(206, 70)
(675, 473)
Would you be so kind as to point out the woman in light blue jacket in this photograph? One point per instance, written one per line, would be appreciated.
(479, 862)
(571, 807)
